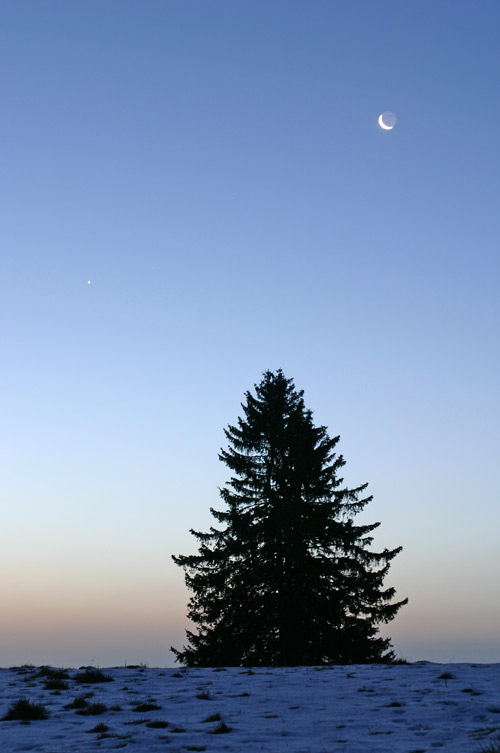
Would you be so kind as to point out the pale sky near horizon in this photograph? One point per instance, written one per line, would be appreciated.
(217, 172)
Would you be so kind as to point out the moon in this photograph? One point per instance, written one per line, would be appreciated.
(387, 121)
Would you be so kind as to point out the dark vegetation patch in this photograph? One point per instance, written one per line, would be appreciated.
(221, 729)
(56, 683)
(78, 703)
(446, 676)
(99, 728)
(91, 675)
(204, 696)
(93, 710)
(157, 724)
(142, 708)
(381, 732)
(26, 711)
(50, 673)
(212, 718)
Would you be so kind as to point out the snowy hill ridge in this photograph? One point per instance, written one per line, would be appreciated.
(411, 708)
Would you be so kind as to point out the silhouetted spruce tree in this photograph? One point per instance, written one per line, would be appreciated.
(287, 579)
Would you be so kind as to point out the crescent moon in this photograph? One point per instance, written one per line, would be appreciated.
(383, 125)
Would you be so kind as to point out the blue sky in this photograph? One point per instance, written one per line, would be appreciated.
(216, 171)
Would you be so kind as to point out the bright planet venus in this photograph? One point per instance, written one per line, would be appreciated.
(387, 121)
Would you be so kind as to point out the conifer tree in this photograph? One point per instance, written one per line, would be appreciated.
(286, 578)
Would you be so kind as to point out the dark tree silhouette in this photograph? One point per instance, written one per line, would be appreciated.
(287, 579)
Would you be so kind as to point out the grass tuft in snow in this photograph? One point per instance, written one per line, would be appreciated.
(99, 728)
(446, 676)
(141, 708)
(52, 674)
(157, 724)
(221, 729)
(93, 710)
(26, 711)
(23, 669)
(91, 675)
(55, 683)
(78, 703)
(213, 718)
(204, 696)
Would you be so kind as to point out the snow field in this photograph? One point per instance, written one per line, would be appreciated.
(346, 709)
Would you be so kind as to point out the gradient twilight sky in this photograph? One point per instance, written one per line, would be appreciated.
(216, 171)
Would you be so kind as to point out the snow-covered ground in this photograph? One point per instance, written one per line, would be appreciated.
(356, 709)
